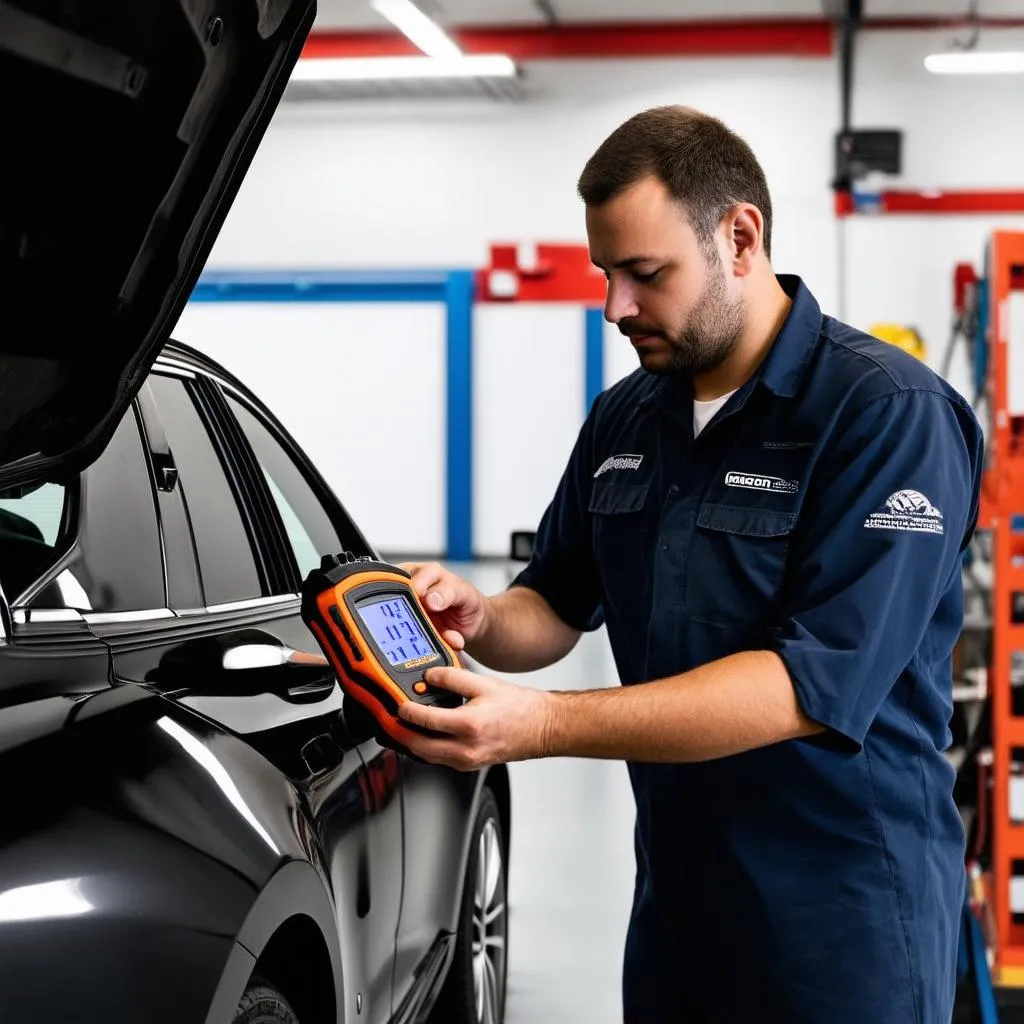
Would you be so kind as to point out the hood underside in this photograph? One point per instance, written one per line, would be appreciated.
(127, 126)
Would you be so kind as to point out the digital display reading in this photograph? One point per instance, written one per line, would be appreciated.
(394, 626)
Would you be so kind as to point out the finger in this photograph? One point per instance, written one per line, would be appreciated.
(424, 576)
(450, 721)
(454, 639)
(459, 680)
(438, 596)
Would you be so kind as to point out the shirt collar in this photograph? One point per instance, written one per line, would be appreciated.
(784, 367)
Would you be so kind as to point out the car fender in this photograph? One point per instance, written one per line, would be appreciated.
(127, 872)
(296, 889)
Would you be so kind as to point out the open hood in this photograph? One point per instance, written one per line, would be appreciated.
(126, 127)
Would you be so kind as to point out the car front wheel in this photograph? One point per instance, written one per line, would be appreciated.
(263, 1004)
(474, 991)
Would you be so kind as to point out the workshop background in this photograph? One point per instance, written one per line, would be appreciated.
(416, 244)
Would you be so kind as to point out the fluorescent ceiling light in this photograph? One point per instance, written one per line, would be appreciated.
(417, 27)
(365, 69)
(976, 62)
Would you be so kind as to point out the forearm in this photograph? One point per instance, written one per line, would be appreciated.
(521, 633)
(726, 707)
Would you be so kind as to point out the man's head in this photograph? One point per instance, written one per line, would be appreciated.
(678, 215)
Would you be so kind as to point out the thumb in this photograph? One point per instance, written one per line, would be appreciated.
(459, 680)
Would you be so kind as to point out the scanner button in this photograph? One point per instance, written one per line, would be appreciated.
(419, 687)
(340, 623)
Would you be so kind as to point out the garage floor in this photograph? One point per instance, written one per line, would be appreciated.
(571, 878)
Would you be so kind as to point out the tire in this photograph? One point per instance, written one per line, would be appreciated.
(261, 1003)
(474, 991)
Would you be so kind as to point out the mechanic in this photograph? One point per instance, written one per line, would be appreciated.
(769, 516)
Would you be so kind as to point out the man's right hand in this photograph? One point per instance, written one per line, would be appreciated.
(457, 609)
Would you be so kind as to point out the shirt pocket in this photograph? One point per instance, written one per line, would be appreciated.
(620, 532)
(736, 563)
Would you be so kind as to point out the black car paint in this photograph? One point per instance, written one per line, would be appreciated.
(152, 113)
(197, 815)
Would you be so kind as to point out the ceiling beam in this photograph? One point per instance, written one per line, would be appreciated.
(739, 37)
(736, 38)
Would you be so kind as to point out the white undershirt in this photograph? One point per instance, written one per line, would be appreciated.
(704, 412)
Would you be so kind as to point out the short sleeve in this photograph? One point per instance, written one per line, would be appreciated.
(878, 546)
(562, 568)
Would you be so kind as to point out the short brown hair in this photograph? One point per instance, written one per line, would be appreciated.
(706, 167)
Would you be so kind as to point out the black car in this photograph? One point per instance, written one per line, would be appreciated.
(194, 825)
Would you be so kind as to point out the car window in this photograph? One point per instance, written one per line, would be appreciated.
(118, 565)
(41, 505)
(226, 560)
(306, 521)
(31, 521)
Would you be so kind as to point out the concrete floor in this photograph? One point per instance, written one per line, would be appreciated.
(571, 879)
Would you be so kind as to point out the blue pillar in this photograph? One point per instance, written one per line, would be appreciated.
(594, 358)
(459, 488)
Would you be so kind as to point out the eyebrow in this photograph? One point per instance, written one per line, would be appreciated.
(632, 261)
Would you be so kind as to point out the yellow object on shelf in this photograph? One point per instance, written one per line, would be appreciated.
(901, 336)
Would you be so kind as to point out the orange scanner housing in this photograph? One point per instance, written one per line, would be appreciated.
(371, 626)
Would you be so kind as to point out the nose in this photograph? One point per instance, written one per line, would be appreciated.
(619, 301)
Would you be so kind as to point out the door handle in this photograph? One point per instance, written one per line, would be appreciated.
(254, 656)
(297, 675)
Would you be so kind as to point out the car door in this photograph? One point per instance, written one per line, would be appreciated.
(228, 601)
(432, 816)
(298, 504)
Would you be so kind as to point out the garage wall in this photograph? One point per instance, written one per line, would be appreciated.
(429, 185)
(432, 185)
(361, 387)
(960, 132)
(528, 406)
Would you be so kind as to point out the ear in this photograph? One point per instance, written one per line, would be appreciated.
(745, 233)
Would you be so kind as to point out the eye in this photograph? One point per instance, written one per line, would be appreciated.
(646, 278)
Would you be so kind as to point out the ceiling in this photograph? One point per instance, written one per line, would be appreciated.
(357, 15)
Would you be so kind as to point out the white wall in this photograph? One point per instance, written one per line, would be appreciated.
(361, 387)
(528, 406)
(961, 132)
(432, 185)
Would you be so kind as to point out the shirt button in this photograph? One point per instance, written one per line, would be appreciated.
(673, 489)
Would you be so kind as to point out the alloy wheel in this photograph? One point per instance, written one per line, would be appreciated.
(490, 926)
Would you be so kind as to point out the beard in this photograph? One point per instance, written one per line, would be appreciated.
(710, 333)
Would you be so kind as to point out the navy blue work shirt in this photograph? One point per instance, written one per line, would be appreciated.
(822, 515)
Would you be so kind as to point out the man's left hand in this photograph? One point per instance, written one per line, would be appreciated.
(499, 722)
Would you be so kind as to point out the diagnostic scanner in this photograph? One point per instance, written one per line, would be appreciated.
(371, 626)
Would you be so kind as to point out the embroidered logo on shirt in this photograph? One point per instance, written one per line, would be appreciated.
(907, 510)
(619, 462)
(787, 445)
(758, 482)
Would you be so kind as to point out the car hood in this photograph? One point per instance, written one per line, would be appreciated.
(125, 131)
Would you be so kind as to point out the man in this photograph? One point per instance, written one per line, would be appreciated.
(769, 516)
